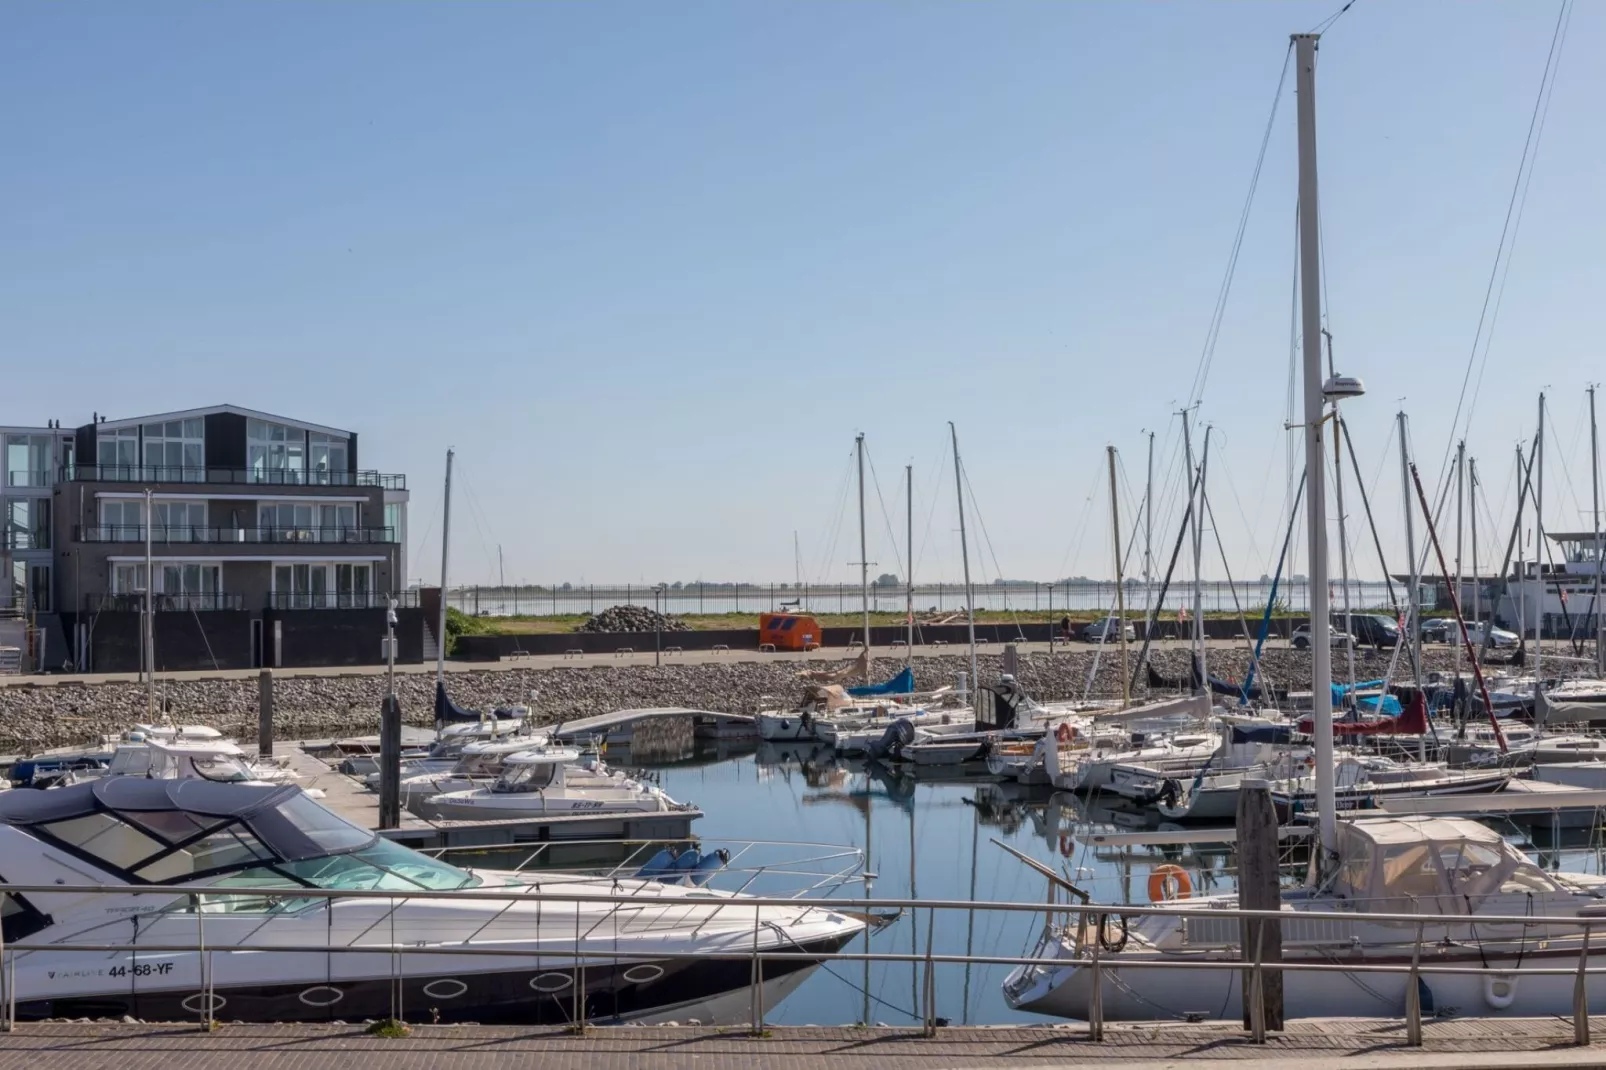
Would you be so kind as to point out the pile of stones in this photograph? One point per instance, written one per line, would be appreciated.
(633, 619)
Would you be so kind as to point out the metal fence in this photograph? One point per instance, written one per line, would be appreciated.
(171, 533)
(1052, 598)
(287, 477)
(1065, 917)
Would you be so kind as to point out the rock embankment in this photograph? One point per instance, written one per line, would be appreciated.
(307, 707)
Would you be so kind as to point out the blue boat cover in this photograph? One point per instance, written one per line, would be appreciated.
(1262, 733)
(902, 684)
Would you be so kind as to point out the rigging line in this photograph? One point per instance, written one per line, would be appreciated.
(1219, 315)
(897, 557)
(473, 511)
(1566, 472)
(822, 565)
(1081, 537)
(429, 529)
(1529, 146)
(1326, 24)
(1210, 511)
(939, 468)
(1249, 531)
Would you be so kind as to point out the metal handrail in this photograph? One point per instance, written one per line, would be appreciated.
(203, 533)
(717, 902)
(274, 477)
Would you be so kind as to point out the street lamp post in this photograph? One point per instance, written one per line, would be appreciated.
(658, 625)
(390, 732)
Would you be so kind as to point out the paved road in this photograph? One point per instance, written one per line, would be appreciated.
(644, 657)
(1322, 1045)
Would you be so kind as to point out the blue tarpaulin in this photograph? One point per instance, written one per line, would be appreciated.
(1262, 733)
(902, 684)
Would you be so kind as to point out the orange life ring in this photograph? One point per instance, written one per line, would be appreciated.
(1067, 845)
(1169, 879)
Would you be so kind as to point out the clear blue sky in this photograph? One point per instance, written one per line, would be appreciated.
(650, 267)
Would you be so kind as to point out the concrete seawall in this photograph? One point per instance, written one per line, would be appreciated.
(308, 707)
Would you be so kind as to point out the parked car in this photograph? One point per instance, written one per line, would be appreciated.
(1499, 638)
(1440, 630)
(1107, 629)
(1300, 640)
(1371, 629)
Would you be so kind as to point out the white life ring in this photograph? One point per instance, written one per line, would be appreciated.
(1499, 990)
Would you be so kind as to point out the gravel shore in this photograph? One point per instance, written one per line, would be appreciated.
(319, 707)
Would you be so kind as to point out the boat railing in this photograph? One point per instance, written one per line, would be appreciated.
(1095, 921)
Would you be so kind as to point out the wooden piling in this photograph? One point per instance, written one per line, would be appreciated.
(265, 713)
(1262, 938)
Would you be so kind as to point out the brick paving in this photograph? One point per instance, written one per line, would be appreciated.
(114, 1046)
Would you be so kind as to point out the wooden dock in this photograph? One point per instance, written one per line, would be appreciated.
(349, 798)
(1324, 1044)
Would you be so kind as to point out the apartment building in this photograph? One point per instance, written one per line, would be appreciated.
(268, 543)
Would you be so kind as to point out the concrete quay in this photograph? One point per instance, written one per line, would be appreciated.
(1318, 1044)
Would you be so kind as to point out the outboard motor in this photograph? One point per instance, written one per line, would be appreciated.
(899, 734)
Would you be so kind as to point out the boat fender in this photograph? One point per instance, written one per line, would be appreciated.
(657, 865)
(1169, 882)
(1499, 990)
(712, 863)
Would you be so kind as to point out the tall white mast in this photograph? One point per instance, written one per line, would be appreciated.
(1120, 583)
(1310, 286)
(909, 565)
(1594, 494)
(446, 530)
(964, 553)
(1539, 548)
(1460, 513)
(150, 616)
(1413, 626)
(864, 562)
(1194, 507)
(1148, 536)
(1472, 494)
(1198, 566)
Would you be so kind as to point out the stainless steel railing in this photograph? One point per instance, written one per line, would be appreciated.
(867, 907)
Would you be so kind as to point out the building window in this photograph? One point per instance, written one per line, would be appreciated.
(393, 522)
(39, 587)
(28, 461)
(128, 579)
(179, 522)
(327, 459)
(179, 584)
(117, 452)
(27, 524)
(306, 522)
(274, 453)
(324, 585)
(175, 451)
(122, 519)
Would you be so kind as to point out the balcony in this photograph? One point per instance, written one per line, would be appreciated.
(168, 534)
(23, 539)
(284, 477)
(331, 600)
(39, 478)
(201, 602)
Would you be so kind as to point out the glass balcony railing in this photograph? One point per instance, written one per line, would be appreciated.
(275, 477)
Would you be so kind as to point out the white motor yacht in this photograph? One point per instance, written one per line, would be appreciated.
(1361, 780)
(177, 758)
(539, 781)
(1385, 865)
(652, 962)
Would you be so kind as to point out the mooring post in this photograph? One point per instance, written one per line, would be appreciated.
(390, 725)
(265, 713)
(1261, 938)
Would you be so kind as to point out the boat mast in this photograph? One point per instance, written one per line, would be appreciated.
(1472, 517)
(909, 579)
(1120, 592)
(1413, 620)
(1148, 536)
(446, 530)
(150, 617)
(1413, 581)
(1594, 493)
(1539, 547)
(1194, 509)
(864, 562)
(1198, 566)
(964, 553)
(1316, 494)
(1460, 513)
(1338, 498)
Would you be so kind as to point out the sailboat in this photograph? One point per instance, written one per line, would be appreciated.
(1361, 868)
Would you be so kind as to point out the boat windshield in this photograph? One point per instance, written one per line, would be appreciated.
(534, 776)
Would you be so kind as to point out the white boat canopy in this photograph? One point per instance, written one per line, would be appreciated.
(1441, 865)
